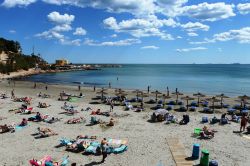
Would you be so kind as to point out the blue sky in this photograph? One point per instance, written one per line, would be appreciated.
(130, 31)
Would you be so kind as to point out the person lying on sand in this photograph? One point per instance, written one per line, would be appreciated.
(45, 132)
(25, 111)
(52, 120)
(38, 117)
(43, 105)
(98, 112)
(76, 120)
(111, 122)
(47, 161)
(4, 128)
(207, 133)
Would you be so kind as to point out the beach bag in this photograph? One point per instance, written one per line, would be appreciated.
(204, 119)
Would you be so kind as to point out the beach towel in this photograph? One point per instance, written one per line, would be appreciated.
(64, 141)
(91, 149)
(18, 128)
(121, 149)
(41, 162)
(73, 99)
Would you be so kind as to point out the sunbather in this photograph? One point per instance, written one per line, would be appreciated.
(45, 132)
(111, 122)
(76, 120)
(207, 133)
(43, 105)
(52, 120)
(4, 128)
(224, 119)
(24, 122)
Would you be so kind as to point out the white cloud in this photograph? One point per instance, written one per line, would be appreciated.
(125, 42)
(192, 34)
(191, 49)
(190, 26)
(209, 12)
(58, 18)
(19, 3)
(244, 8)
(12, 31)
(150, 47)
(62, 28)
(240, 35)
(141, 27)
(170, 8)
(80, 31)
(114, 36)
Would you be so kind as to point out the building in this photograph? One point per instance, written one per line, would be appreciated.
(62, 62)
(3, 57)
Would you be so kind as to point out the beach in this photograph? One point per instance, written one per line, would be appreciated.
(147, 142)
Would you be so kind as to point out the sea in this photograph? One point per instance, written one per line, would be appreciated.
(212, 79)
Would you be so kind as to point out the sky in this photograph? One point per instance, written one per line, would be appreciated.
(130, 31)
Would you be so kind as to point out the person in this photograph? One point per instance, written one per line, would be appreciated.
(46, 87)
(206, 132)
(224, 119)
(243, 123)
(111, 122)
(79, 87)
(80, 95)
(104, 149)
(94, 88)
(34, 85)
(185, 120)
(111, 106)
(24, 122)
(12, 94)
(109, 85)
(148, 88)
(38, 116)
(167, 91)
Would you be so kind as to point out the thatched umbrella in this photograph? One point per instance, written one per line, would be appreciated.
(199, 95)
(142, 95)
(164, 98)
(187, 98)
(222, 96)
(102, 92)
(244, 99)
(177, 95)
(156, 94)
(213, 99)
(137, 93)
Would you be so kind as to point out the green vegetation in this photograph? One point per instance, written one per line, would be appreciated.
(16, 60)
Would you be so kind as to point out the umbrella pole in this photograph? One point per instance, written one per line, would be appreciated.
(187, 104)
(177, 98)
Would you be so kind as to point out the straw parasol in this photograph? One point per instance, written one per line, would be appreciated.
(102, 92)
(199, 95)
(156, 94)
(213, 99)
(222, 96)
(137, 93)
(177, 95)
(187, 98)
(142, 95)
(165, 97)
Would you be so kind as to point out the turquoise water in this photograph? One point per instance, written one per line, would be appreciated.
(211, 79)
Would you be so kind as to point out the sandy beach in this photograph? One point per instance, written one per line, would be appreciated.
(147, 142)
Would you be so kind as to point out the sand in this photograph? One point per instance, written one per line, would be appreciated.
(147, 142)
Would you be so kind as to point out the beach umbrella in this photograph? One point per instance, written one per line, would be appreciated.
(102, 92)
(187, 98)
(213, 100)
(222, 96)
(137, 93)
(164, 98)
(156, 94)
(142, 95)
(177, 95)
(243, 99)
(199, 95)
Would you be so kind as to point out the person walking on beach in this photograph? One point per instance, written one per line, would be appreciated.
(109, 84)
(104, 149)
(167, 91)
(111, 106)
(243, 123)
(94, 88)
(79, 87)
(12, 94)
(46, 87)
(148, 89)
(35, 85)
